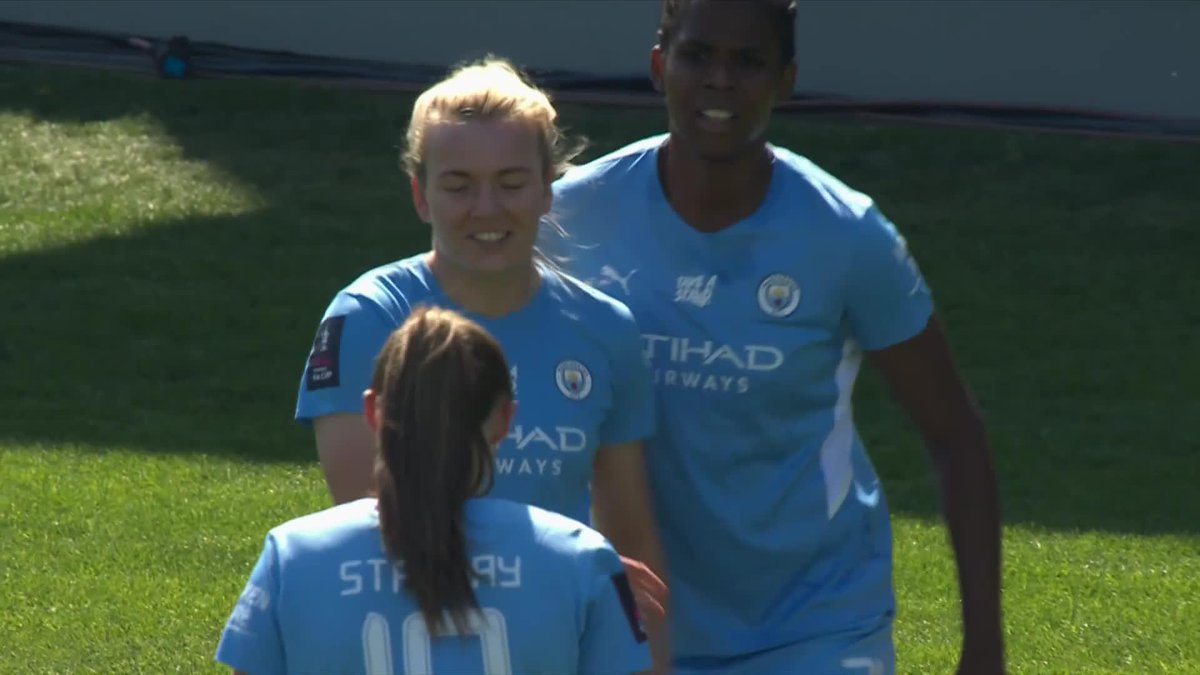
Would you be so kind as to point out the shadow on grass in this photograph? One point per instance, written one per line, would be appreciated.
(190, 335)
(1063, 267)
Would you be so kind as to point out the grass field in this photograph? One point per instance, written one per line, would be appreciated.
(166, 250)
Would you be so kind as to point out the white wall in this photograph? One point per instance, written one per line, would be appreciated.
(1131, 56)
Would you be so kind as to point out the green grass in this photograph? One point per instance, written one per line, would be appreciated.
(166, 250)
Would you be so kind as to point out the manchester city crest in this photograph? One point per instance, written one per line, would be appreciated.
(778, 295)
(573, 380)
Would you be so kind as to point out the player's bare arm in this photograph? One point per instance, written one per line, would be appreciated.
(924, 379)
(345, 445)
(621, 504)
(622, 512)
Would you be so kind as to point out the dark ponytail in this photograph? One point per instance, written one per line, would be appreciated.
(438, 379)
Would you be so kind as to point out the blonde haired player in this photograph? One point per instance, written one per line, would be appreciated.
(482, 150)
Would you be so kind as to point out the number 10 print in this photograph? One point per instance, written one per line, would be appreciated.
(489, 625)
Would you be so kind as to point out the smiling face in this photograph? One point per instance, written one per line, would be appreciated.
(484, 189)
(722, 72)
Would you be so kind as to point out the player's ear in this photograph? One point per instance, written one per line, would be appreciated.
(419, 201)
(500, 421)
(510, 413)
(657, 63)
(371, 410)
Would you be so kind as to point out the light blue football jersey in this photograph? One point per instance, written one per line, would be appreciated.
(580, 377)
(324, 598)
(774, 523)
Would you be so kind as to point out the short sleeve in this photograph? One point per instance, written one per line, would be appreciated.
(252, 641)
(632, 416)
(614, 640)
(887, 300)
(576, 222)
(342, 359)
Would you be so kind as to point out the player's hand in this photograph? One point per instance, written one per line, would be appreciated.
(648, 589)
(651, 594)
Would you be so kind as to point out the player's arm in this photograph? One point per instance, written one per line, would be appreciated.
(923, 378)
(252, 641)
(613, 639)
(340, 366)
(891, 312)
(621, 504)
(346, 448)
(622, 512)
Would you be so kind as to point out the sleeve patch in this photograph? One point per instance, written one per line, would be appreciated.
(323, 362)
(625, 593)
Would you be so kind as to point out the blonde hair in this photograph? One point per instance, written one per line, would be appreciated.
(489, 89)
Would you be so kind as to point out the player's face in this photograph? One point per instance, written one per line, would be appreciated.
(485, 190)
(722, 73)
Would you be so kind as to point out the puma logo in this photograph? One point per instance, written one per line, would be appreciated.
(609, 275)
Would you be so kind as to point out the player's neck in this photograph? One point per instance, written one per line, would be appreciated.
(490, 295)
(712, 195)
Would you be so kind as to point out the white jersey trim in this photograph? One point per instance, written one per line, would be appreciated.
(836, 450)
